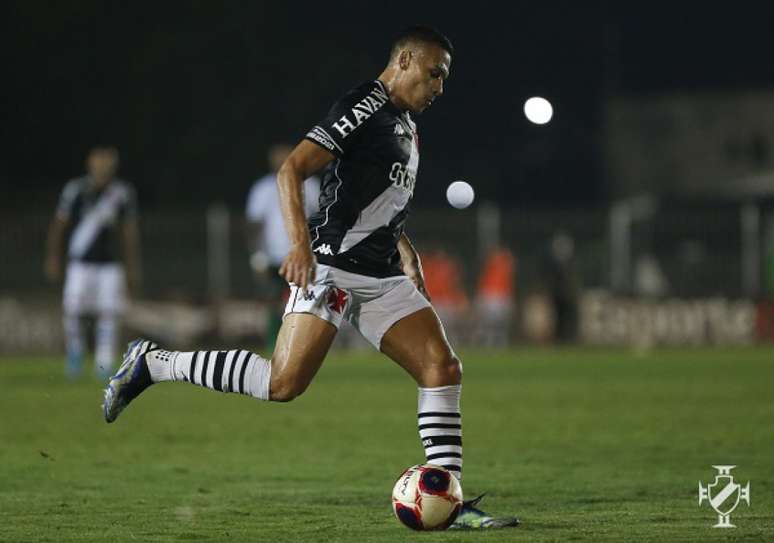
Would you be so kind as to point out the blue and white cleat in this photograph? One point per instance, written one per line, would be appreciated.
(472, 518)
(131, 379)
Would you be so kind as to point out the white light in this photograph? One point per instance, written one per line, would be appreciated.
(538, 110)
(460, 194)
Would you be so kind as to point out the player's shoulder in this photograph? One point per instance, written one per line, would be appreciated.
(76, 183)
(123, 186)
(373, 88)
(74, 187)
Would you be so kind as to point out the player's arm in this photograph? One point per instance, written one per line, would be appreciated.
(131, 243)
(55, 247)
(412, 265)
(306, 159)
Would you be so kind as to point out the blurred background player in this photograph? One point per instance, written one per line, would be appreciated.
(268, 240)
(495, 298)
(94, 211)
(562, 285)
(444, 285)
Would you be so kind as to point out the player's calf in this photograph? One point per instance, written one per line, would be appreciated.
(440, 426)
(237, 371)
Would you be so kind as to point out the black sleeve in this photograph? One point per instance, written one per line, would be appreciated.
(129, 205)
(68, 200)
(336, 131)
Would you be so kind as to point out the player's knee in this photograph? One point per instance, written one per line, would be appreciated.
(451, 371)
(443, 369)
(286, 389)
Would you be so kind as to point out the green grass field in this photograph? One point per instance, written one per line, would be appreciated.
(581, 444)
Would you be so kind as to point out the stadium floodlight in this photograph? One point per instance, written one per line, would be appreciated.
(538, 110)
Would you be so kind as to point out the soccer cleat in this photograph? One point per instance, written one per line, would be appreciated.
(472, 518)
(131, 379)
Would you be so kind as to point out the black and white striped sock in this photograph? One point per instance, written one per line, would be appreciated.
(440, 426)
(237, 371)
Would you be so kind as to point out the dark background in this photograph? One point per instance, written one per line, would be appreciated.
(193, 92)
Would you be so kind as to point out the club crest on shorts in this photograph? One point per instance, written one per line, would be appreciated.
(337, 300)
(724, 494)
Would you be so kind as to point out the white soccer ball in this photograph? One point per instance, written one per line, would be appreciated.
(427, 497)
(460, 194)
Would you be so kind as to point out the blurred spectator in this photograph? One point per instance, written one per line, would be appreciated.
(94, 210)
(496, 298)
(649, 279)
(443, 281)
(267, 237)
(562, 285)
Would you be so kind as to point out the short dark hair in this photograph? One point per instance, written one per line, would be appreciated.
(422, 33)
(104, 148)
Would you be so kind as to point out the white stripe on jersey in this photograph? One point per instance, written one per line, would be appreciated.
(328, 209)
(377, 214)
(95, 219)
(383, 208)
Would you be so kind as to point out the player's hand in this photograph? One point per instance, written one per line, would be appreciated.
(413, 271)
(53, 269)
(298, 267)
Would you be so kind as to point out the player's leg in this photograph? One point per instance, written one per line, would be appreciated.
(74, 302)
(302, 344)
(105, 340)
(400, 322)
(74, 343)
(418, 344)
(111, 301)
(310, 325)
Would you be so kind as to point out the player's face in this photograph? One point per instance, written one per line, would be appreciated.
(102, 165)
(425, 75)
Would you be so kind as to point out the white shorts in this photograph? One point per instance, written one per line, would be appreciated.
(370, 304)
(92, 288)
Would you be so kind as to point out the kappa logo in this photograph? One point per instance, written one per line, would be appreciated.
(724, 495)
(399, 130)
(324, 249)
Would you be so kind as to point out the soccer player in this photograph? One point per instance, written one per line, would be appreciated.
(270, 244)
(352, 260)
(95, 209)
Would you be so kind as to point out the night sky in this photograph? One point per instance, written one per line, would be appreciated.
(193, 92)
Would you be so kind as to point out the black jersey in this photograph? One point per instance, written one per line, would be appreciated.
(366, 192)
(94, 216)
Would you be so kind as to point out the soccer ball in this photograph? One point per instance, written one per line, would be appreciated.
(427, 497)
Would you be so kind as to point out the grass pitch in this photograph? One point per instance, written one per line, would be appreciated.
(581, 444)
